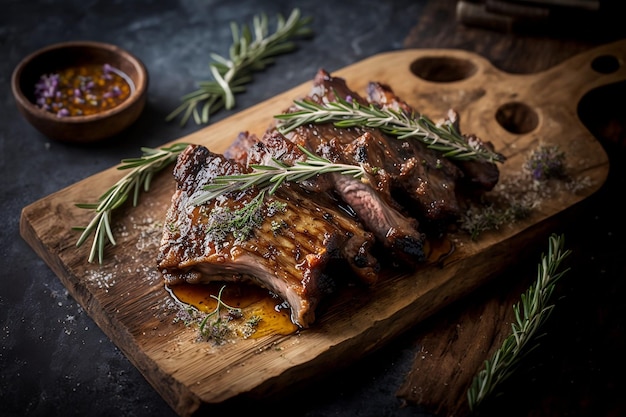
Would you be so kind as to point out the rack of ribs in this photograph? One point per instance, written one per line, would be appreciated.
(292, 235)
(296, 234)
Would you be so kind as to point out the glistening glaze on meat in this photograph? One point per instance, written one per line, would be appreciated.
(477, 175)
(287, 253)
(329, 218)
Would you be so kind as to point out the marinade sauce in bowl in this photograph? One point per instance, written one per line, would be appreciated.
(80, 91)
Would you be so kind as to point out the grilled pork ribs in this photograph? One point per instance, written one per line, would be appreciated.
(284, 242)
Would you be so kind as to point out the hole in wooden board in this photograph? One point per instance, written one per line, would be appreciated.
(443, 69)
(605, 64)
(517, 117)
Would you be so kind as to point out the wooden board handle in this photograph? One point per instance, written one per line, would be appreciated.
(595, 68)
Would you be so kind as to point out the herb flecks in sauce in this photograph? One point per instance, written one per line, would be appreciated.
(253, 311)
(83, 90)
(214, 326)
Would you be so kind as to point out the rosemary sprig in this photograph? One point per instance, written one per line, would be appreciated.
(247, 55)
(218, 327)
(272, 176)
(140, 176)
(530, 314)
(343, 113)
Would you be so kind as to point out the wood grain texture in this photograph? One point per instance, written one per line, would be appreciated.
(453, 349)
(126, 298)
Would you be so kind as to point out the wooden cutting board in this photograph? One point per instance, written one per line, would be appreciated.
(126, 297)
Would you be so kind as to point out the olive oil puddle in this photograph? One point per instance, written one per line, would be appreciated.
(274, 314)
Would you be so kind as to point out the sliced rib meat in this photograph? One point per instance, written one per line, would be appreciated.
(405, 167)
(478, 175)
(356, 251)
(402, 171)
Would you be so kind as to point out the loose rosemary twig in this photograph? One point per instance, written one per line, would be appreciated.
(272, 176)
(247, 55)
(342, 113)
(217, 328)
(530, 314)
(140, 176)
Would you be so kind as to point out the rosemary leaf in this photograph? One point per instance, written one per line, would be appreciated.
(530, 314)
(251, 51)
(272, 176)
(141, 171)
(342, 113)
(213, 326)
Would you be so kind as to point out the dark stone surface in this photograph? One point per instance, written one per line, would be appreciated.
(53, 359)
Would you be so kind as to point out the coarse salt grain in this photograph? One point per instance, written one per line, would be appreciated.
(102, 279)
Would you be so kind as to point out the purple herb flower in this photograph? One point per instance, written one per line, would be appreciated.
(546, 162)
(46, 87)
(113, 92)
(65, 93)
(107, 70)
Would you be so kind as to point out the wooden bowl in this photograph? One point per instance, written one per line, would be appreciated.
(84, 128)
